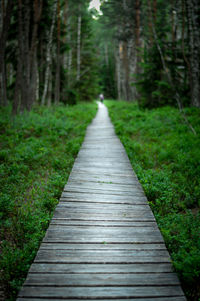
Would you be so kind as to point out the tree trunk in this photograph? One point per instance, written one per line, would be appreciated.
(6, 17)
(69, 57)
(17, 94)
(183, 39)
(48, 55)
(137, 24)
(126, 71)
(65, 22)
(78, 48)
(106, 54)
(50, 86)
(57, 83)
(119, 70)
(192, 8)
(37, 8)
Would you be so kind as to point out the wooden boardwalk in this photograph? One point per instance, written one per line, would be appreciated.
(103, 242)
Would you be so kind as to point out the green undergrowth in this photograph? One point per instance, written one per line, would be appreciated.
(37, 152)
(165, 155)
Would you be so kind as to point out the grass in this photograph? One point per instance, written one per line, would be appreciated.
(166, 158)
(37, 152)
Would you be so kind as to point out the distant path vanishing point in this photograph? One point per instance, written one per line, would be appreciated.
(103, 242)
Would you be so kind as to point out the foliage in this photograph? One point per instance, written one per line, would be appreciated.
(37, 153)
(166, 158)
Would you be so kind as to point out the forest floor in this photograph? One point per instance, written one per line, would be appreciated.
(165, 155)
(37, 153)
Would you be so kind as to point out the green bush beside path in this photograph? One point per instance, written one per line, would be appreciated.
(165, 155)
(37, 152)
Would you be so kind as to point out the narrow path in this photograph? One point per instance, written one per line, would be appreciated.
(103, 242)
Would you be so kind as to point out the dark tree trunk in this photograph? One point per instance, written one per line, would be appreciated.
(25, 90)
(137, 34)
(192, 8)
(57, 83)
(6, 17)
(37, 8)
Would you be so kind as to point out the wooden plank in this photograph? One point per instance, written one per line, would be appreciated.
(42, 268)
(102, 197)
(66, 222)
(97, 174)
(100, 292)
(99, 200)
(104, 186)
(105, 231)
(146, 279)
(102, 207)
(102, 252)
(135, 299)
(93, 191)
(123, 216)
(104, 170)
(101, 246)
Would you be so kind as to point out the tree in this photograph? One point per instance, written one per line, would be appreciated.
(193, 9)
(6, 12)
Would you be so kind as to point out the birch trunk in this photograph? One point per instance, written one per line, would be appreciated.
(78, 48)
(48, 55)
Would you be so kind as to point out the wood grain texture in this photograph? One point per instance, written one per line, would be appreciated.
(103, 242)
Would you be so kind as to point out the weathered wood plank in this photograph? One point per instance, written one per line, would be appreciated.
(104, 186)
(42, 268)
(101, 197)
(146, 279)
(111, 256)
(102, 207)
(130, 216)
(102, 246)
(104, 231)
(135, 299)
(66, 222)
(103, 292)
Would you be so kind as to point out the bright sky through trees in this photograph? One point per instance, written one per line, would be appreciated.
(95, 4)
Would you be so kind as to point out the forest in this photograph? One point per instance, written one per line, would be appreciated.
(56, 56)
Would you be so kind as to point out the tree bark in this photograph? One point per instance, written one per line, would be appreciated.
(78, 48)
(106, 54)
(192, 8)
(37, 9)
(57, 83)
(48, 55)
(65, 22)
(126, 71)
(119, 56)
(6, 17)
